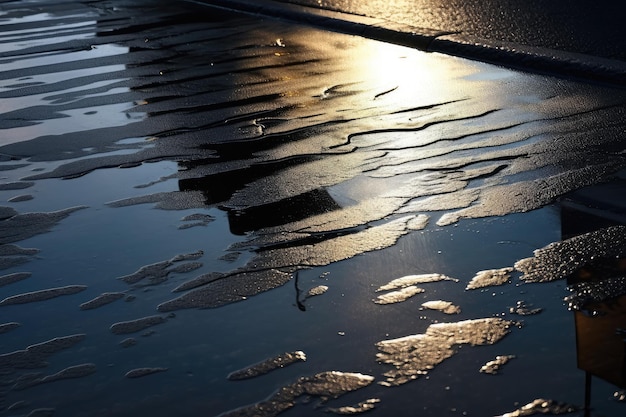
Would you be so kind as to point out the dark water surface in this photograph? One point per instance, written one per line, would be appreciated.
(189, 193)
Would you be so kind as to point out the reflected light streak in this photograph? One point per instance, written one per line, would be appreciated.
(405, 77)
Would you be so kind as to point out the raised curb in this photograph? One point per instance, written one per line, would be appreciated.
(522, 57)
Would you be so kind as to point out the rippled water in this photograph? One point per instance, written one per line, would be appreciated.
(191, 194)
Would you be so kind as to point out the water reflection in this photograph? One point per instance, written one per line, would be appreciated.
(270, 164)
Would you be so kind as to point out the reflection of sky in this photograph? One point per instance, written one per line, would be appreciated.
(60, 111)
(75, 120)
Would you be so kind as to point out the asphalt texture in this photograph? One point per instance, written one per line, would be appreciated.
(593, 28)
(574, 40)
(188, 193)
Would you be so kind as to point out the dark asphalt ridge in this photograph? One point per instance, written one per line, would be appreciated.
(527, 58)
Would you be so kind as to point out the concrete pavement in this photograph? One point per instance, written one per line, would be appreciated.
(487, 41)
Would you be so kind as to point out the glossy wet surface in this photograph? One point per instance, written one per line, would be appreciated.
(576, 26)
(191, 194)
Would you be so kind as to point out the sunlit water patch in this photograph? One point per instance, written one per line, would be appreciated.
(413, 356)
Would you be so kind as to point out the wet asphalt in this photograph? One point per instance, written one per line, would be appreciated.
(592, 28)
(190, 193)
(568, 40)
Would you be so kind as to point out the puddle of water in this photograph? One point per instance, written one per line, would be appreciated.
(290, 181)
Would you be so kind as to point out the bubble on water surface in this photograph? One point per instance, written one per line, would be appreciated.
(42, 295)
(489, 278)
(399, 295)
(415, 355)
(409, 280)
(492, 367)
(268, 365)
(325, 385)
(542, 406)
(359, 408)
(444, 306)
